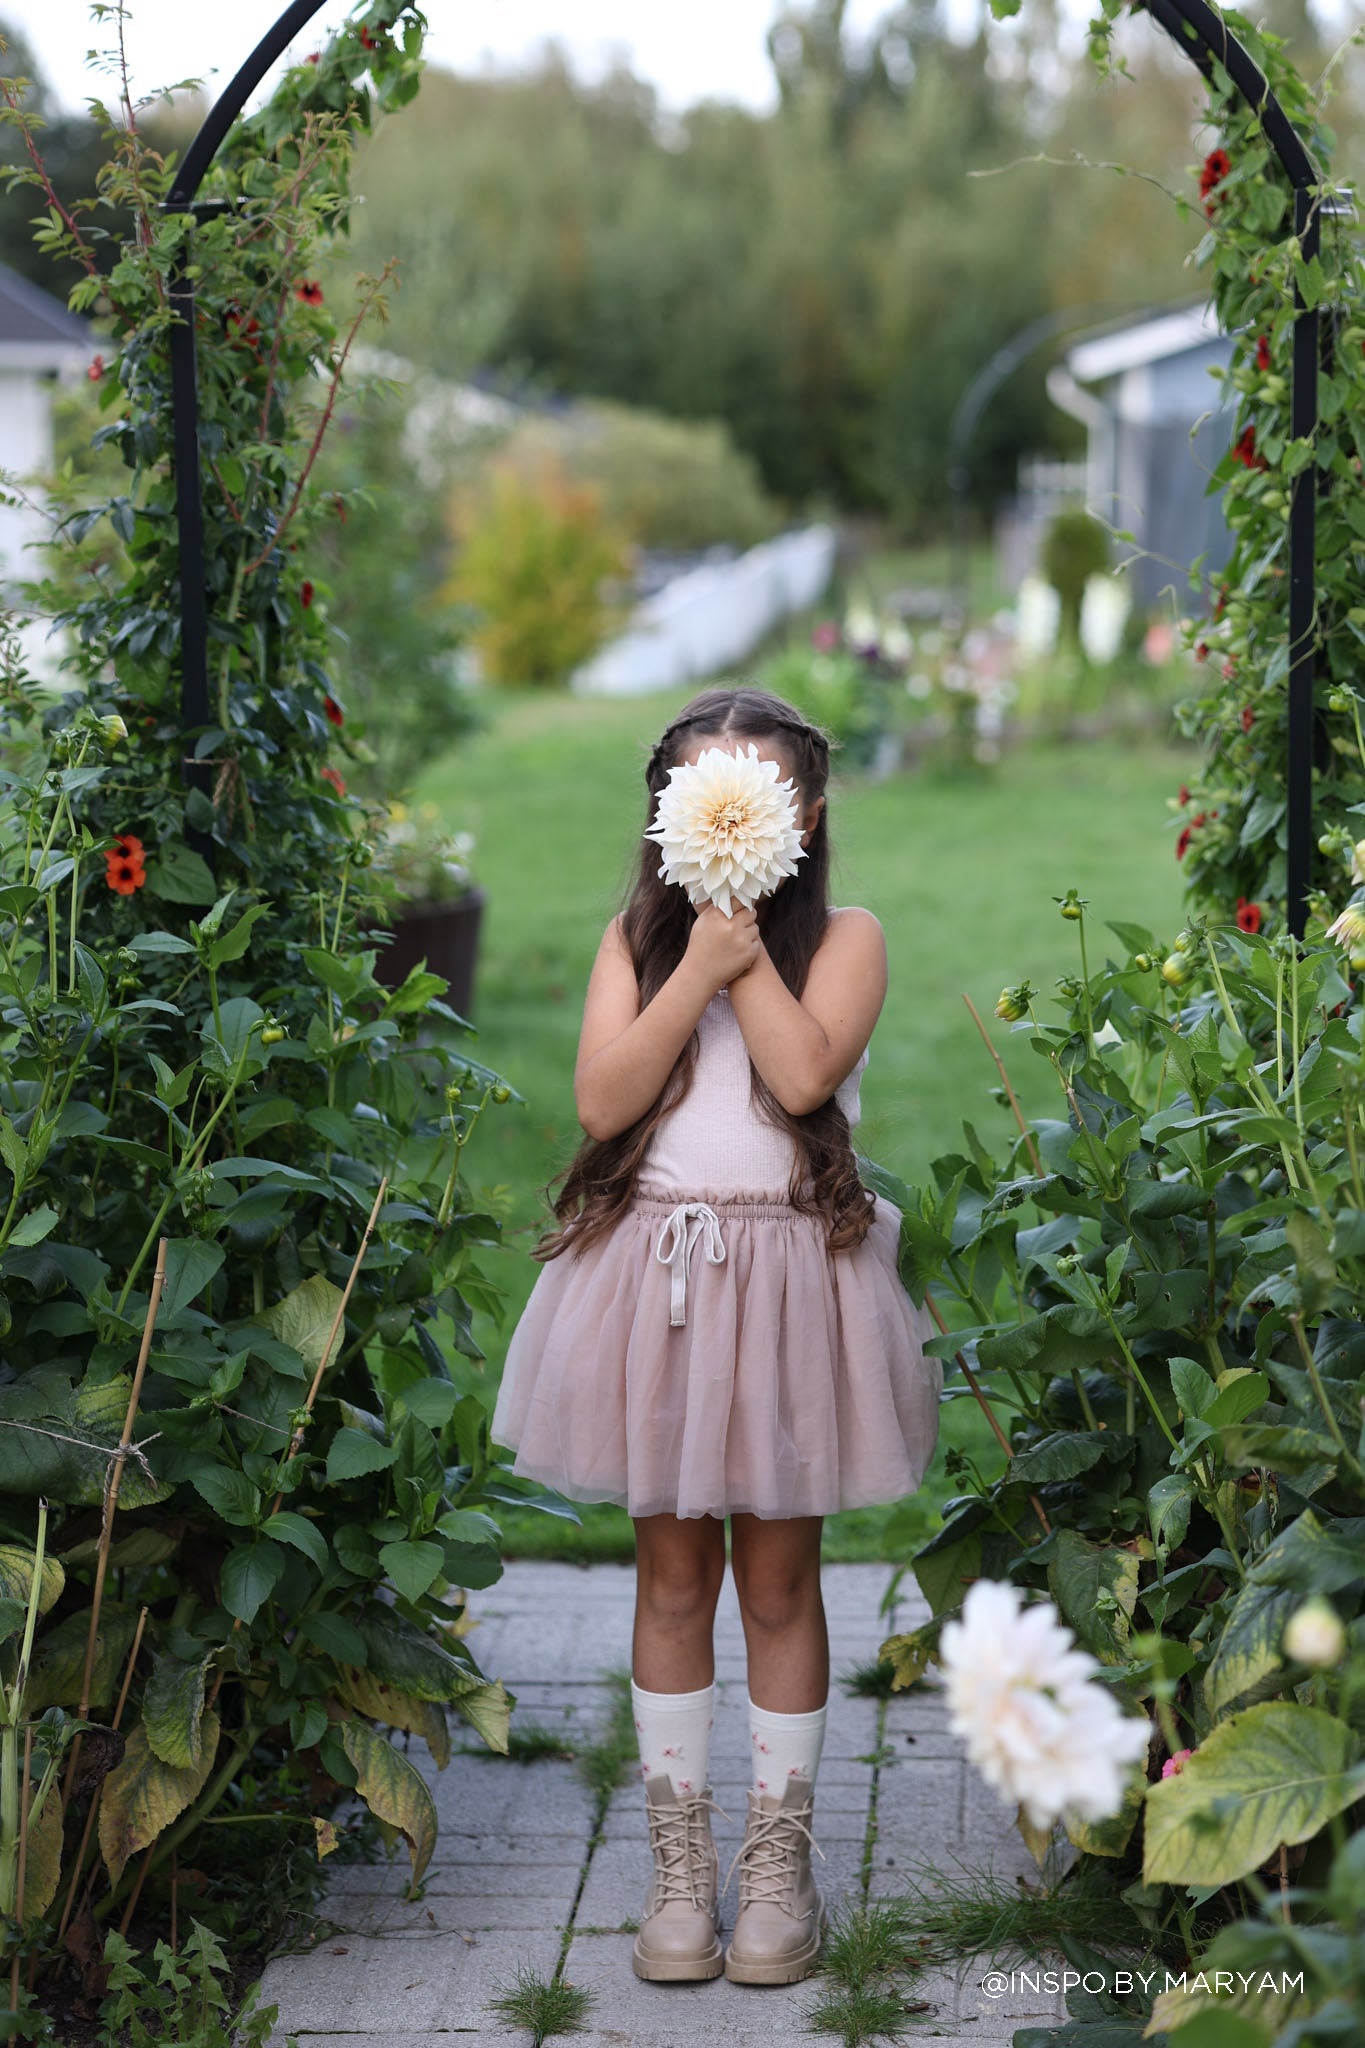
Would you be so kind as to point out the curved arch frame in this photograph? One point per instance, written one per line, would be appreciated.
(1203, 36)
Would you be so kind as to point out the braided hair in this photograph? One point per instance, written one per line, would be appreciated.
(597, 1187)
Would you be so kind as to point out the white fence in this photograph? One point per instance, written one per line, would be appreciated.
(704, 622)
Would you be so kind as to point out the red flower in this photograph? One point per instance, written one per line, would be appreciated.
(368, 40)
(1248, 915)
(123, 866)
(1182, 844)
(334, 711)
(1199, 817)
(1221, 605)
(1229, 670)
(330, 775)
(1248, 718)
(1184, 793)
(310, 292)
(305, 593)
(1201, 652)
(313, 57)
(1245, 451)
(242, 326)
(96, 370)
(1262, 352)
(1217, 166)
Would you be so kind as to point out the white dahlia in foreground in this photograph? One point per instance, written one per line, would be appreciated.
(1025, 1701)
(726, 828)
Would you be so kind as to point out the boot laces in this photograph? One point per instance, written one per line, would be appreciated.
(767, 1856)
(677, 1836)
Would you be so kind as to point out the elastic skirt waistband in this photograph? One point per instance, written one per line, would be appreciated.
(741, 1203)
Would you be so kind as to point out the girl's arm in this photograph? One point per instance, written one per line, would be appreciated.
(626, 1054)
(803, 1049)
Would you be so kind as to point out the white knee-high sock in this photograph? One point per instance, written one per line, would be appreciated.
(785, 1746)
(674, 1729)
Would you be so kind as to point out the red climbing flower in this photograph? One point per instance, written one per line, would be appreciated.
(310, 291)
(1248, 915)
(313, 57)
(123, 865)
(330, 775)
(1217, 166)
(96, 370)
(242, 326)
(1184, 793)
(1201, 652)
(334, 711)
(1246, 452)
(1263, 351)
(305, 593)
(1182, 844)
(1248, 718)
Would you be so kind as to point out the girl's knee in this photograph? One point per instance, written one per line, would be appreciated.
(776, 1592)
(680, 1574)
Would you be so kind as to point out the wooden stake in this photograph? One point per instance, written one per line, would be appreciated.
(296, 1441)
(99, 1789)
(1013, 1099)
(111, 1492)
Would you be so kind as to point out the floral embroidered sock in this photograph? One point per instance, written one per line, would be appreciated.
(674, 1729)
(785, 1746)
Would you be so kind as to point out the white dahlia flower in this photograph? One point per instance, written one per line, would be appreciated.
(1025, 1701)
(1348, 926)
(1315, 1635)
(727, 828)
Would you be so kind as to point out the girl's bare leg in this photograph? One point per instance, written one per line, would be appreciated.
(679, 1565)
(777, 1576)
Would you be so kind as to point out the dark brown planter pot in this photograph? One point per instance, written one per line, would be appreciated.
(446, 936)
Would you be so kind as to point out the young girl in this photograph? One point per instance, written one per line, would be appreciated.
(720, 1329)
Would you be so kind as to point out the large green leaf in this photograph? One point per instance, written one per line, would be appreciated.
(191, 1263)
(1276, 1772)
(59, 1660)
(1064, 1455)
(1249, 1647)
(305, 1317)
(393, 1790)
(353, 1453)
(249, 1576)
(413, 1567)
(173, 1710)
(403, 1656)
(143, 1795)
(1095, 1587)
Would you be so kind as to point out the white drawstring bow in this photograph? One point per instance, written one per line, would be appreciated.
(683, 1226)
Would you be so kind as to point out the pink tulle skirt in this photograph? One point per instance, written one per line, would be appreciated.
(710, 1356)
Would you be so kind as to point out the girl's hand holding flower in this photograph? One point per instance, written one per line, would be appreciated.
(722, 948)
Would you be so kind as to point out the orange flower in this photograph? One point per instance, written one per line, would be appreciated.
(1248, 915)
(330, 775)
(123, 865)
(310, 292)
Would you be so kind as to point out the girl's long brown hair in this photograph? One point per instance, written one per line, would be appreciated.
(597, 1187)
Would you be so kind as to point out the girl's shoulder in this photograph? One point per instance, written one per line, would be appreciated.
(850, 924)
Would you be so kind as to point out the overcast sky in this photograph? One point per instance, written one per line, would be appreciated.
(689, 49)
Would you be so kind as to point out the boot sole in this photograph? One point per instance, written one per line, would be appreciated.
(678, 1969)
(789, 1970)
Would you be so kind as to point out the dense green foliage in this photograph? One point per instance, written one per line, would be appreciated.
(242, 1495)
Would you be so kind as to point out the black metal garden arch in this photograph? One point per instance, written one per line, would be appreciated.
(1204, 37)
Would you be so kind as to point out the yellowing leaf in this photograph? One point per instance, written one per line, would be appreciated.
(304, 1319)
(370, 1696)
(144, 1795)
(43, 1863)
(326, 1835)
(16, 1576)
(393, 1790)
(488, 1709)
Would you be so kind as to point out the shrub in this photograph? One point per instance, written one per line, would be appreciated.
(1164, 1292)
(1075, 548)
(535, 556)
(663, 483)
(850, 697)
(236, 1243)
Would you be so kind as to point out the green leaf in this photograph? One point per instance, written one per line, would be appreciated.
(288, 1527)
(1192, 1386)
(1168, 1508)
(336, 1637)
(173, 1711)
(354, 1452)
(393, 1790)
(1064, 1455)
(234, 943)
(229, 1493)
(191, 1263)
(1313, 1262)
(304, 1318)
(1240, 1394)
(34, 1227)
(177, 874)
(413, 1567)
(249, 1576)
(1096, 1589)
(143, 1795)
(1275, 1773)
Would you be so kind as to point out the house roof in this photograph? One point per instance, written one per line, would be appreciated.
(1150, 340)
(36, 330)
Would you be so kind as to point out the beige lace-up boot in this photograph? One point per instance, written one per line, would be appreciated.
(781, 1918)
(679, 1937)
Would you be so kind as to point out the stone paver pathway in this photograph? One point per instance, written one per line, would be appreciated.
(519, 1863)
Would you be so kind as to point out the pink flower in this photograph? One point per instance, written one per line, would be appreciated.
(1174, 1765)
(825, 638)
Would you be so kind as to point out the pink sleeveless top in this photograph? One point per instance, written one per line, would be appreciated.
(717, 1137)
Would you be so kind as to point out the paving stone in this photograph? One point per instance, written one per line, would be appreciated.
(364, 1982)
(629, 2013)
(489, 1796)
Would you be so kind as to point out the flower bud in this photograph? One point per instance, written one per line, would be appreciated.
(500, 1093)
(1175, 970)
(1009, 1006)
(1069, 987)
(1071, 905)
(113, 728)
(272, 1034)
(1314, 1635)
(1143, 962)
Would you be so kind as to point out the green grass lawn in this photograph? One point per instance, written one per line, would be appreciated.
(961, 871)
